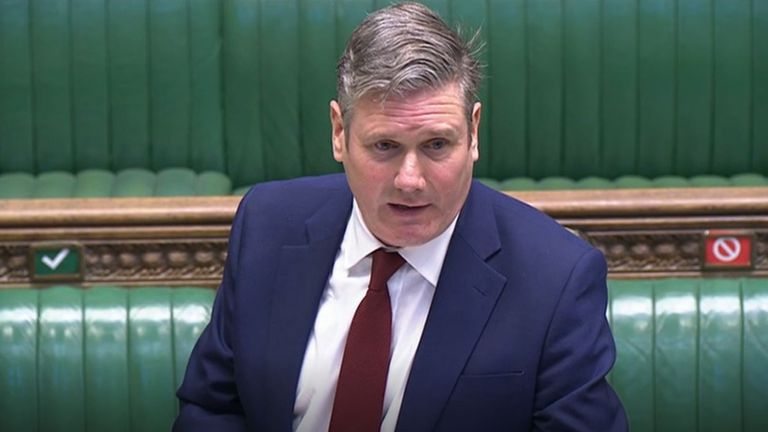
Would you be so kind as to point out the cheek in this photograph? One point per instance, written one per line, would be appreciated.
(368, 184)
(372, 175)
(453, 181)
(453, 173)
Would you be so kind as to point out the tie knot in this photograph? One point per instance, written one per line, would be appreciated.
(384, 265)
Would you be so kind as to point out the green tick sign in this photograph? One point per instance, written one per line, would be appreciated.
(56, 262)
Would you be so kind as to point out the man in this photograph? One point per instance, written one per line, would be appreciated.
(494, 317)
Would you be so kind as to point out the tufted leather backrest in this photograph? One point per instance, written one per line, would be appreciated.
(101, 359)
(691, 353)
(574, 88)
(110, 85)
(130, 182)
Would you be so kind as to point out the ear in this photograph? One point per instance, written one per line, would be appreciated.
(476, 109)
(338, 136)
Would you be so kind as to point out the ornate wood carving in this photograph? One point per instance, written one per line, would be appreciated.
(761, 251)
(182, 241)
(649, 252)
(127, 241)
(194, 261)
(13, 263)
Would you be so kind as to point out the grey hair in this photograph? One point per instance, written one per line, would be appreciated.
(401, 50)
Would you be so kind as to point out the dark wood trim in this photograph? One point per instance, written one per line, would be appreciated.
(182, 240)
(113, 212)
(636, 203)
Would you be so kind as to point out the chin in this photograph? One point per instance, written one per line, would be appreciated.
(404, 235)
(411, 239)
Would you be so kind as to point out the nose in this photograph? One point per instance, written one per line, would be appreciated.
(410, 177)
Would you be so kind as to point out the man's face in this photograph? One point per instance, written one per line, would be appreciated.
(408, 161)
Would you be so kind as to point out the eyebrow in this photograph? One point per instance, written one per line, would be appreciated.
(448, 132)
(432, 133)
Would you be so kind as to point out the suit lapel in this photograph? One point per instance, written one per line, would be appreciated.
(303, 271)
(464, 299)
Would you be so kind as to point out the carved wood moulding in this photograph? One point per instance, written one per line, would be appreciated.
(182, 241)
(654, 254)
(125, 241)
(192, 260)
(160, 261)
(761, 251)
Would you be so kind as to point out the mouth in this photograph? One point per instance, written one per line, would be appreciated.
(407, 210)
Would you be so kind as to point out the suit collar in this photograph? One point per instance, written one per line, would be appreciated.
(302, 273)
(331, 219)
(427, 259)
(464, 299)
(477, 222)
(466, 293)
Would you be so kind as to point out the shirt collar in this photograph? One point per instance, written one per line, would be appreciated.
(427, 259)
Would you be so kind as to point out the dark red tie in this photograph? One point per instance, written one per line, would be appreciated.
(363, 378)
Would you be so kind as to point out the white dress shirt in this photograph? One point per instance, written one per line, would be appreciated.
(411, 289)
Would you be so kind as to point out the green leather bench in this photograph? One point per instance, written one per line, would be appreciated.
(100, 359)
(130, 182)
(139, 182)
(577, 90)
(691, 355)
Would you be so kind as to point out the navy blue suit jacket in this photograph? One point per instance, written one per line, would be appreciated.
(516, 338)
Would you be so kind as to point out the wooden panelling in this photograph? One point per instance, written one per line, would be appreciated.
(172, 241)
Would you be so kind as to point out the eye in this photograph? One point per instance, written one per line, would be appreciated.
(383, 145)
(437, 144)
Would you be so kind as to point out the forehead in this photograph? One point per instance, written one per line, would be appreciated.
(432, 110)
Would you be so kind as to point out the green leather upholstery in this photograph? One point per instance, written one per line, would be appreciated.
(101, 359)
(626, 182)
(691, 355)
(94, 183)
(575, 88)
(110, 85)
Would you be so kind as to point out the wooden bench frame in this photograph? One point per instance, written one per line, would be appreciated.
(182, 241)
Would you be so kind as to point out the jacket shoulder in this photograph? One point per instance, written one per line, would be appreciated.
(532, 229)
(290, 196)
(280, 209)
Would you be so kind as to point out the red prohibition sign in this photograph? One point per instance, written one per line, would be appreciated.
(726, 249)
